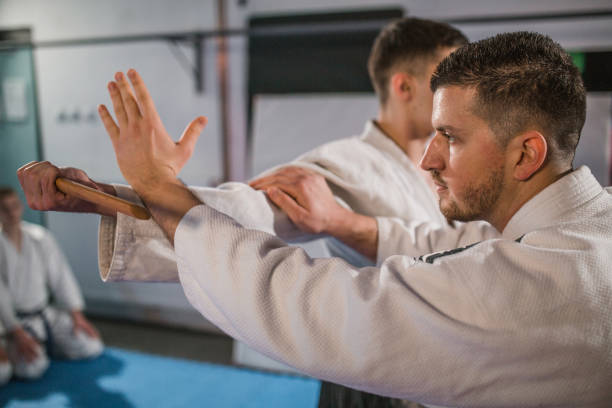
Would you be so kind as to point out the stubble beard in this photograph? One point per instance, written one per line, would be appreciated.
(478, 199)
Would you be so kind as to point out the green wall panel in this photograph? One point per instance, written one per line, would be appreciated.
(19, 134)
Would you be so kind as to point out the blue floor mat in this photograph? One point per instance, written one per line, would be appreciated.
(126, 379)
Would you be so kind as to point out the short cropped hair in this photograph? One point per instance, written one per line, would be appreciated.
(408, 42)
(521, 79)
(6, 191)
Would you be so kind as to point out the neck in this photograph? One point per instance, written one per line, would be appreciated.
(11, 229)
(398, 127)
(523, 191)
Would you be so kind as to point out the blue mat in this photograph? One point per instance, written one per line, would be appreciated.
(125, 379)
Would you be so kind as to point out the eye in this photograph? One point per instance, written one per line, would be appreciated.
(449, 137)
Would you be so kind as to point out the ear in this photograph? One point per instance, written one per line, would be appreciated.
(531, 153)
(402, 86)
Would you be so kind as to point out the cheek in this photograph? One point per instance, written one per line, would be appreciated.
(463, 169)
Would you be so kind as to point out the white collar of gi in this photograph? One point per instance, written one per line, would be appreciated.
(373, 135)
(548, 205)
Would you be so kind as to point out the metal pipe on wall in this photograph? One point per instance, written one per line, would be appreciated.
(222, 62)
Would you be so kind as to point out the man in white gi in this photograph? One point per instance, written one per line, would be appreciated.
(521, 320)
(33, 271)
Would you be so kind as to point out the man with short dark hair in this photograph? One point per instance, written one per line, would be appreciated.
(34, 273)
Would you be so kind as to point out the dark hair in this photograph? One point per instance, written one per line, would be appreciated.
(521, 79)
(408, 41)
(6, 191)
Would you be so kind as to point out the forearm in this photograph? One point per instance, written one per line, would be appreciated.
(138, 250)
(358, 231)
(168, 200)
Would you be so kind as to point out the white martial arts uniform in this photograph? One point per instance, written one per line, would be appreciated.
(521, 320)
(6, 368)
(28, 281)
(369, 174)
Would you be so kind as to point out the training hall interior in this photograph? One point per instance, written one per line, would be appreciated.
(275, 79)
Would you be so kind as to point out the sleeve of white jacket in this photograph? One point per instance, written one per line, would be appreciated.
(135, 250)
(397, 236)
(392, 330)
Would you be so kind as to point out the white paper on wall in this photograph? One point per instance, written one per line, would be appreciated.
(14, 99)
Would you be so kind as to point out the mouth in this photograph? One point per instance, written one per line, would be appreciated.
(440, 185)
(440, 188)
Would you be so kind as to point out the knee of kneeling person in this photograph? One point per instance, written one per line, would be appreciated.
(31, 370)
(6, 372)
(94, 347)
(80, 347)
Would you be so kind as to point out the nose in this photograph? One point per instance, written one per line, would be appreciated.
(433, 158)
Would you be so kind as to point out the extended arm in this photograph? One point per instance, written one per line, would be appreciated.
(308, 201)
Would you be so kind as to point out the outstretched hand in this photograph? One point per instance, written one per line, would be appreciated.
(146, 154)
(305, 196)
(309, 202)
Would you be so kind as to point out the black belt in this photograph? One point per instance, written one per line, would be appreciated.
(34, 313)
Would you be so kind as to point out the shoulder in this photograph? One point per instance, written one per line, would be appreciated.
(35, 231)
(348, 159)
(345, 148)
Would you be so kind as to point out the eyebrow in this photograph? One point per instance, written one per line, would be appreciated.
(447, 128)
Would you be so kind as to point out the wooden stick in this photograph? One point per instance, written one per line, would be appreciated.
(78, 190)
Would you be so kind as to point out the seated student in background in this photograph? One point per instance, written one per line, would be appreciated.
(518, 320)
(33, 271)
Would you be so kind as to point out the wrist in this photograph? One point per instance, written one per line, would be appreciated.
(340, 222)
(76, 313)
(360, 232)
(155, 182)
(169, 200)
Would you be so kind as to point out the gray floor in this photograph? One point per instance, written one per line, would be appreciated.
(166, 341)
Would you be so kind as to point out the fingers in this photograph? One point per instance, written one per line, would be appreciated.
(30, 186)
(109, 124)
(286, 203)
(50, 194)
(31, 351)
(28, 348)
(286, 175)
(91, 331)
(191, 134)
(82, 324)
(142, 94)
(127, 96)
(37, 180)
(117, 101)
